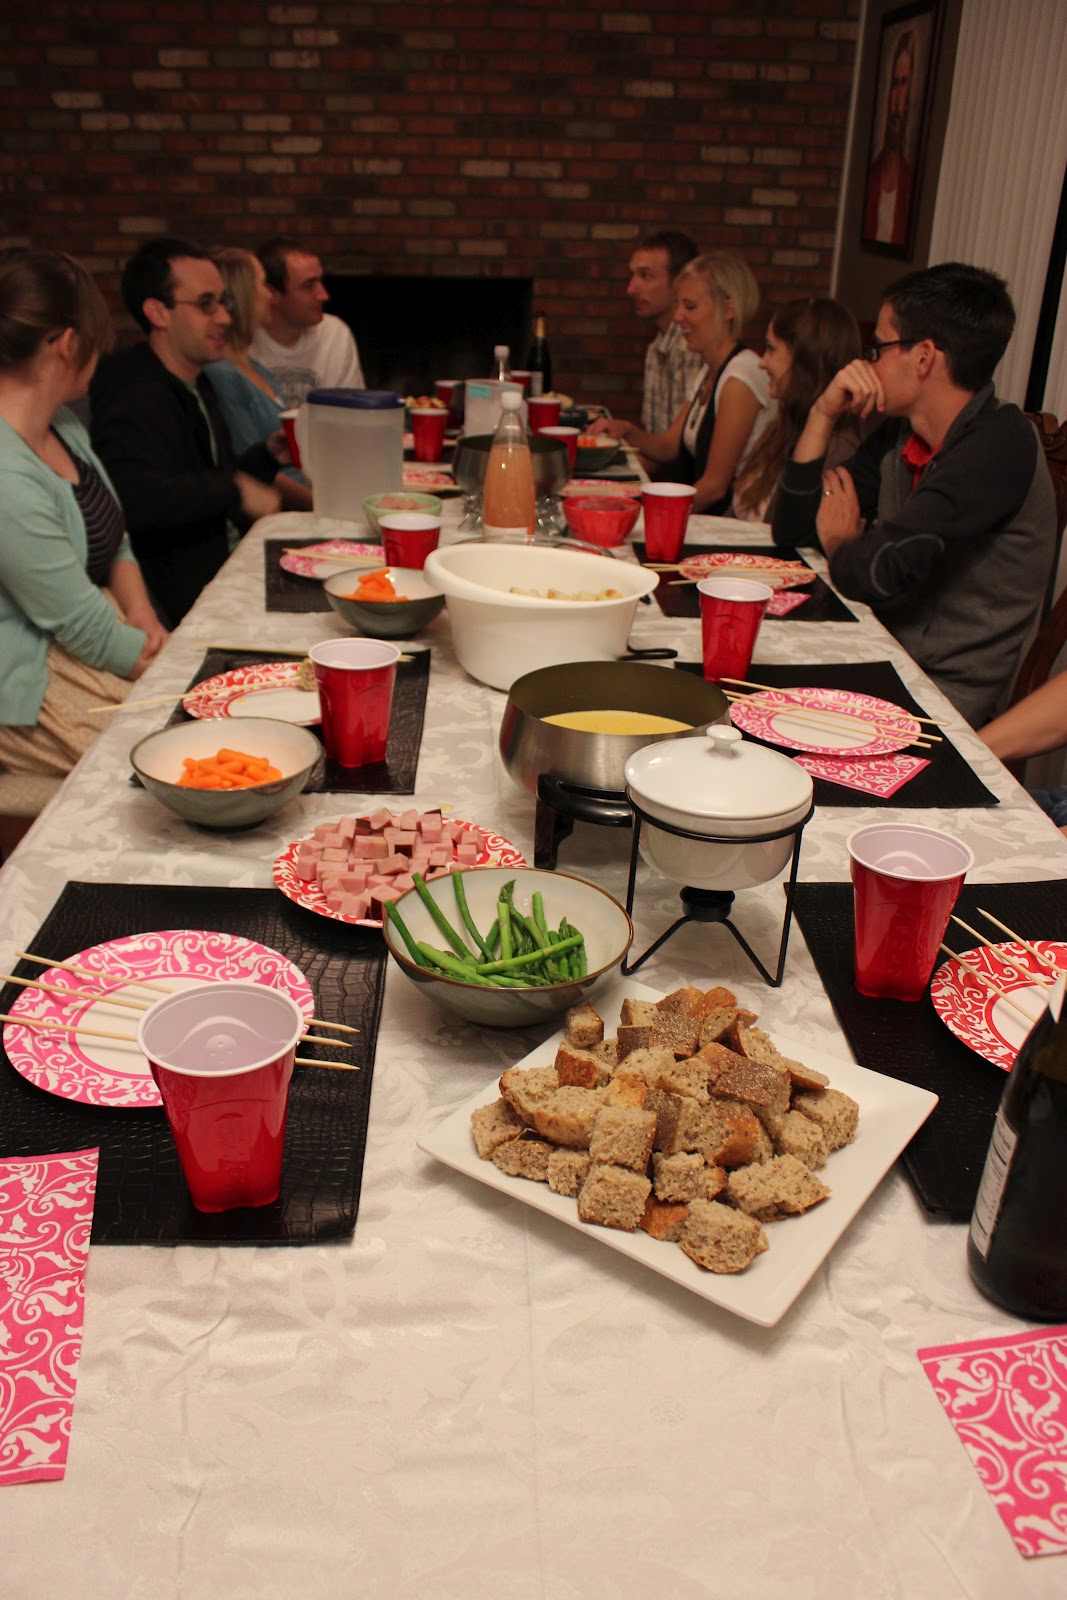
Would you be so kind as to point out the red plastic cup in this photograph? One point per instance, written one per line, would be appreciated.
(521, 375)
(450, 390)
(222, 1057)
(355, 679)
(428, 431)
(906, 880)
(731, 610)
(569, 437)
(544, 411)
(666, 507)
(288, 422)
(408, 537)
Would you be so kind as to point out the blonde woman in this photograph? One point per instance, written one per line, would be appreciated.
(716, 295)
(251, 405)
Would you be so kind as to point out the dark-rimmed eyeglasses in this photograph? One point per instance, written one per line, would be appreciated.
(872, 352)
(208, 304)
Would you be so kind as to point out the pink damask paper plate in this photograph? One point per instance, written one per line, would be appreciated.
(46, 1216)
(830, 721)
(496, 852)
(878, 775)
(771, 570)
(977, 1015)
(323, 560)
(1007, 1400)
(269, 689)
(113, 1072)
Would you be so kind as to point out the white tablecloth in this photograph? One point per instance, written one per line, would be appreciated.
(466, 1399)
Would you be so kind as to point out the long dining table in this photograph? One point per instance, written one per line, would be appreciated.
(465, 1398)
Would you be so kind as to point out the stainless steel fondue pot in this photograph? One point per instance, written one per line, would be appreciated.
(530, 746)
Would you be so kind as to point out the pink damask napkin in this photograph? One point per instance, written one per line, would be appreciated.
(46, 1214)
(783, 601)
(878, 775)
(1007, 1400)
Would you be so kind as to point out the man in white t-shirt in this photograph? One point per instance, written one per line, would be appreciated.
(301, 346)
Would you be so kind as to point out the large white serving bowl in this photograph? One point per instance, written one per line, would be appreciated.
(602, 920)
(157, 761)
(498, 636)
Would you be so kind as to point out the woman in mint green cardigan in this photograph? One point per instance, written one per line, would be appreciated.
(76, 622)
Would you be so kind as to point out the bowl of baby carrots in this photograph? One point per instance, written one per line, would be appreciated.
(385, 603)
(226, 772)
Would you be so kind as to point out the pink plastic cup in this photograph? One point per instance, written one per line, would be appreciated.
(906, 880)
(544, 411)
(288, 422)
(222, 1057)
(428, 432)
(731, 610)
(569, 437)
(355, 679)
(666, 507)
(408, 537)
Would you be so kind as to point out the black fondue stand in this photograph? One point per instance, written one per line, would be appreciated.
(561, 803)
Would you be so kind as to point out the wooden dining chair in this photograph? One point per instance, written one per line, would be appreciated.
(22, 799)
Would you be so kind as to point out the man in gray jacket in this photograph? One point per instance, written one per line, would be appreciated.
(944, 520)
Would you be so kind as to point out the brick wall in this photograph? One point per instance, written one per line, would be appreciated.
(446, 138)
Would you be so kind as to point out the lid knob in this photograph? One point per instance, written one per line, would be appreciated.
(724, 741)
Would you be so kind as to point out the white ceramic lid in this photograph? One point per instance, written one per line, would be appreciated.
(720, 782)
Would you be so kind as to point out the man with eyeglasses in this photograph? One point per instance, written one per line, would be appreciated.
(158, 427)
(302, 345)
(944, 520)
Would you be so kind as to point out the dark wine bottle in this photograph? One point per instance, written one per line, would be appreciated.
(539, 359)
(1017, 1248)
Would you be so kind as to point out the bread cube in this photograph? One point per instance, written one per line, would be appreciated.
(837, 1114)
(523, 1158)
(676, 1177)
(613, 1197)
(721, 1240)
(567, 1171)
(494, 1125)
(623, 1136)
(780, 1187)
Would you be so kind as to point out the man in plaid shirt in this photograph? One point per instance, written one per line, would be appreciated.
(671, 370)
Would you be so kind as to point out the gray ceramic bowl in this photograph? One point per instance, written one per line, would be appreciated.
(608, 934)
(157, 761)
(595, 457)
(386, 619)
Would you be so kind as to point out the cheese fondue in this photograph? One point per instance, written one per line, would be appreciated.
(624, 722)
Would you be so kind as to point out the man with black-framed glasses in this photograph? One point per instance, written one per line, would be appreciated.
(944, 520)
(158, 427)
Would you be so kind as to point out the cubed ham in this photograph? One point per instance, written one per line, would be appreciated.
(403, 882)
(400, 839)
(394, 864)
(410, 820)
(354, 881)
(440, 855)
(337, 854)
(335, 899)
(354, 906)
(306, 870)
(369, 847)
(380, 898)
(324, 830)
(347, 828)
(380, 819)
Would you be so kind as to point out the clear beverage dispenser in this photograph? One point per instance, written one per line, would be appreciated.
(352, 445)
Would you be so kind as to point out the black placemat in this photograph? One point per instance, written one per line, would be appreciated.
(682, 600)
(141, 1197)
(948, 781)
(394, 775)
(909, 1041)
(287, 591)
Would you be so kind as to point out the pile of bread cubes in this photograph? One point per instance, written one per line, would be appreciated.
(688, 1123)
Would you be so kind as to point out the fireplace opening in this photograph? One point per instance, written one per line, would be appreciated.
(411, 330)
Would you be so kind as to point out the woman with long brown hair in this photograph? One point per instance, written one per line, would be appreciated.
(76, 622)
(808, 341)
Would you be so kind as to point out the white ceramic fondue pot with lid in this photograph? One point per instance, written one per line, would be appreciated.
(724, 786)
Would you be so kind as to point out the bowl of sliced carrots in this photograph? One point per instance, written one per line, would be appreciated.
(226, 772)
(386, 603)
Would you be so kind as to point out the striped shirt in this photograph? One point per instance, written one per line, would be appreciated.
(102, 515)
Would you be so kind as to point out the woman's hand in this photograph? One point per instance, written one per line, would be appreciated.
(614, 427)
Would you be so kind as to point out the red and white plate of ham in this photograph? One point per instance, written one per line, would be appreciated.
(323, 560)
(348, 869)
(430, 479)
(113, 1072)
(826, 722)
(982, 1019)
(771, 570)
(268, 689)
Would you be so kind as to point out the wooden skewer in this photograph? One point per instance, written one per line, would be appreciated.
(145, 983)
(183, 694)
(70, 994)
(342, 561)
(983, 977)
(1010, 961)
(769, 688)
(128, 1038)
(1046, 961)
(832, 720)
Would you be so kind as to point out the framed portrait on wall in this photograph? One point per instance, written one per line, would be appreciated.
(906, 64)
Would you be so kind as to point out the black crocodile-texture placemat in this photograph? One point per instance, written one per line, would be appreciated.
(682, 600)
(394, 775)
(141, 1197)
(948, 781)
(286, 591)
(908, 1040)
